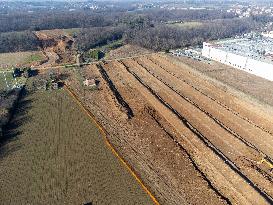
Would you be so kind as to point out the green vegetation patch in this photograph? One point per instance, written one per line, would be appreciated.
(187, 25)
(35, 57)
(96, 54)
(8, 60)
(112, 45)
(72, 31)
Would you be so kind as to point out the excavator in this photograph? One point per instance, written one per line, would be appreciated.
(267, 162)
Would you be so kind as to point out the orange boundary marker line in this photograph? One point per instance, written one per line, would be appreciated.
(107, 142)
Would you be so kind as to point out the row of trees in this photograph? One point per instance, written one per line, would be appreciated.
(163, 15)
(164, 37)
(86, 19)
(145, 28)
(54, 19)
(93, 37)
(139, 31)
(18, 41)
(7, 101)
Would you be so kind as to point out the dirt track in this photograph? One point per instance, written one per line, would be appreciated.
(57, 46)
(178, 120)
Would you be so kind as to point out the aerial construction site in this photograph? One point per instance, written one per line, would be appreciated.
(146, 128)
(189, 139)
(136, 102)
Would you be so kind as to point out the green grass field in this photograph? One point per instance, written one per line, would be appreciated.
(57, 156)
(35, 57)
(72, 31)
(7, 60)
(187, 25)
(6, 79)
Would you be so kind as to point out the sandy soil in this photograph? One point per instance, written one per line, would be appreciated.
(183, 127)
(58, 46)
(249, 84)
(177, 128)
(236, 137)
(127, 51)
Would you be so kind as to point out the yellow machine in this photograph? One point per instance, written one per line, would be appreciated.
(268, 163)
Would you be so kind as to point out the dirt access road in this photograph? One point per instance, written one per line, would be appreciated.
(190, 140)
(57, 46)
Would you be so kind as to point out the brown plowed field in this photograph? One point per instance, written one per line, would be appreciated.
(252, 85)
(190, 140)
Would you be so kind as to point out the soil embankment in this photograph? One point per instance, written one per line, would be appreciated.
(190, 140)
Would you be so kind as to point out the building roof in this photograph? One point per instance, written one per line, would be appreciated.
(255, 47)
(89, 82)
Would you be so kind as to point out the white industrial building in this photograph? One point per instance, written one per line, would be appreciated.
(253, 54)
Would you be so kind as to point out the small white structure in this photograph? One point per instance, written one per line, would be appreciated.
(243, 54)
(90, 83)
(268, 34)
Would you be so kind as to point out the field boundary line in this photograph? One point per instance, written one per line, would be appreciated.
(109, 145)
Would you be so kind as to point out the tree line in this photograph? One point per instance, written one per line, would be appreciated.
(89, 38)
(164, 37)
(163, 15)
(18, 41)
(148, 29)
(7, 101)
(47, 20)
(44, 20)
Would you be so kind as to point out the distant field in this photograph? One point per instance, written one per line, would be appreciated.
(55, 33)
(59, 157)
(8, 60)
(6, 80)
(189, 25)
(72, 31)
(126, 51)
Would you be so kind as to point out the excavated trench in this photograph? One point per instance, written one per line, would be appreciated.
(197, 133)
(115, 92)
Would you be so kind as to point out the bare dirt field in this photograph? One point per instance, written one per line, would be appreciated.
(190, 140)
(58, 46)
(56, 155)
(127, 51)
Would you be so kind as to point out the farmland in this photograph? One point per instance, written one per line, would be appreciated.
(57, 155)
(187, 25)
(8, 60)
(178, 128)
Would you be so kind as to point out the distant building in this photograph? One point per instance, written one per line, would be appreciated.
(268, 34)
(90, 83)
(253, 54)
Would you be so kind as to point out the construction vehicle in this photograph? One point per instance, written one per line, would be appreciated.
(267, 162)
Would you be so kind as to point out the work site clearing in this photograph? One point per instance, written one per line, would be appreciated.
(189, 140)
